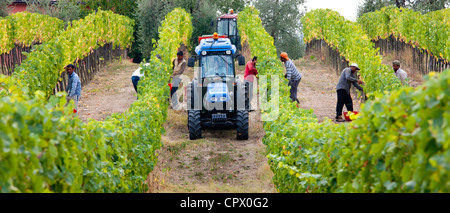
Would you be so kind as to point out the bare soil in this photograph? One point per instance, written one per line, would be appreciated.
(111, 91)
(216, 163)
(317, 89)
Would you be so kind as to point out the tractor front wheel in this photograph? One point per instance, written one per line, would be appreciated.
(242, 125)
(194, 124)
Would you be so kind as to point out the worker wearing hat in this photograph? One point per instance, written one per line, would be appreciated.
(402, 75)
(292, 75)
(178, 66)
(343, 90)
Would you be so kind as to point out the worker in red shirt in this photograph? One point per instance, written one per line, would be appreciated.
(250, 74)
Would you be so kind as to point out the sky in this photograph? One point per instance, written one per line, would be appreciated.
(347, 8)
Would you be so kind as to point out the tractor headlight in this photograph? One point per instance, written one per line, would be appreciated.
(203, 52)
(228, 52)
(213, 99)
(223, 99)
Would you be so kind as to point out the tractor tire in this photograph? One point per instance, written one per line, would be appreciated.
(242, 125)
(190, 96)
(194, 124)
(243, 94)
(193, 96)
(247, 96)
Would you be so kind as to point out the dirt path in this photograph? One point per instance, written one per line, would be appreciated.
(317, 90)
(216, 163)
(111, 91)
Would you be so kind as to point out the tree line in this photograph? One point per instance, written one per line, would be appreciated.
(280, 18)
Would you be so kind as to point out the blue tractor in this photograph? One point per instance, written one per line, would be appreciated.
(216, 98)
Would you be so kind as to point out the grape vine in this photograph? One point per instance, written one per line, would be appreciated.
(45, 148)
(428, 31)
(26, 29)
(398, 143)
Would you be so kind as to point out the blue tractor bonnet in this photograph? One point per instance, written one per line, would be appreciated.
(217, 92)
(211, 45)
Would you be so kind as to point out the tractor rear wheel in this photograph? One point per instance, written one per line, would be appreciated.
(243, 96)
(194, 124)
(242, 125)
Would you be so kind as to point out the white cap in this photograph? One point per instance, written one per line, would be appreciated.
(355, 65)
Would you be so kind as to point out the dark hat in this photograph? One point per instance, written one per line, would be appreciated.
(180, 53)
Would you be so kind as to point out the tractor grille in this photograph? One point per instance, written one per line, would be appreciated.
(219, 117)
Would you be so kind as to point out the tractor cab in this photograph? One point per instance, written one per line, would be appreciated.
(227, 25)
(216, 55)
(216, 98)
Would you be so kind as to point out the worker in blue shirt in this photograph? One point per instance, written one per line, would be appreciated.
(74, 86)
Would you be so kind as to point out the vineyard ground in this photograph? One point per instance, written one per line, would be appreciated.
(317, 89)
(110, 91)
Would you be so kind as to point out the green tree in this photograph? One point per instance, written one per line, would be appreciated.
(426, 6)
(281, 19)
(236, 5)
(127, 8)
(203, 13)
(4, 9)
(150, 14)
(368, 6)
(201, 20)
(122, 7)
(66, 10)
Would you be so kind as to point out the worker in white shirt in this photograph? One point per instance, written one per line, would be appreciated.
(402, 75)
(137, 75)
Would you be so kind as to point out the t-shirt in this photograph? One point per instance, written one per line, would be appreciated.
(138, 71)
(250, 71)
(402, 75)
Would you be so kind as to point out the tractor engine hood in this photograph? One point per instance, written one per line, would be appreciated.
(211, 45)
(217, 92)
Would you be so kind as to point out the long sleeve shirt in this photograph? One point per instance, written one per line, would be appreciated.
(74, 85)
(138, 71)
(346, 80)
(292, 73)
(250, 71)
(402, 75)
